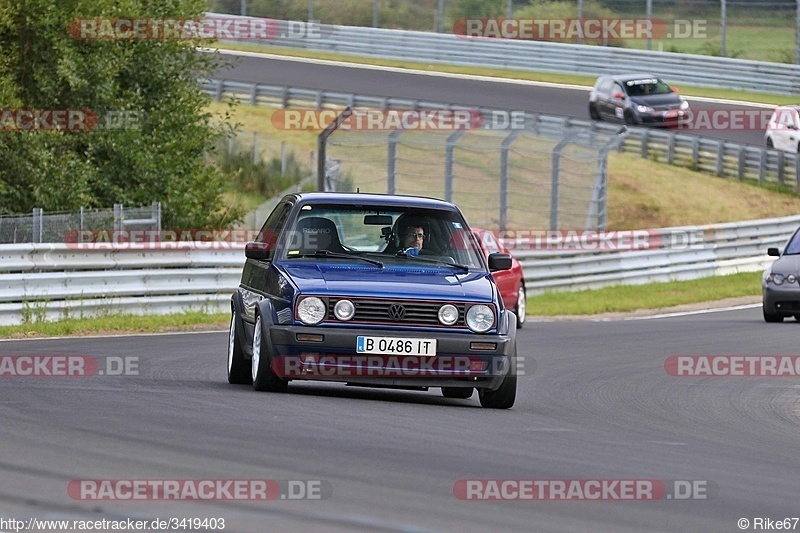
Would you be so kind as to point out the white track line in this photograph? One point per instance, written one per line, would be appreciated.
(110, 336)
(689, 313)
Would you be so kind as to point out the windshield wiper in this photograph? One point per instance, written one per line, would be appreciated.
(328, 253)
(434, 261)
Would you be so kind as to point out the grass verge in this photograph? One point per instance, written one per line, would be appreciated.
(188, 321)
(649, 296)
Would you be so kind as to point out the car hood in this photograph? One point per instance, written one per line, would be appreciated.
(787, 264)
(411, 281)
(657, 100)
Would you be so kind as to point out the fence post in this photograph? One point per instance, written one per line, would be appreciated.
(391, 161)
(37, 225)
(781, 161)
(649, 18)
(762, 166)
(219, 90)
(504, 146)
(554, 179)
(449, 161)
(117, 217)
(722, 26)
(255, 148)
(645, 140)
(283, 158)
(695, 153)
(157, 215)
(254, 95)
(721, 158)
(671, 149)
(742, 160)
(81, 219)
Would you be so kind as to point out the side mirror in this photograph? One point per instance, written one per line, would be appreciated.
(618, 96)
(774, 252)
(673, 89)
(499, 261)
(257, 250)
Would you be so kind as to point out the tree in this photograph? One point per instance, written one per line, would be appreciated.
(157, 155)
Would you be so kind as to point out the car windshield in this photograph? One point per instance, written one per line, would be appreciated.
(793, 248)
(646, 87)
(397, 235)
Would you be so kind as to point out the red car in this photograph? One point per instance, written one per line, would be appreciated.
(511, 283)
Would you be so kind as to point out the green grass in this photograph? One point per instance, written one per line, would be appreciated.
(188, 321)
(649, 296)
(707, 92)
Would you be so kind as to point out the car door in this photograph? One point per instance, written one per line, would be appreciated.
(257, 275)
(792, 135)
(616, 105)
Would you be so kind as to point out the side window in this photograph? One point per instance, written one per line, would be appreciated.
(605, 87)
(272, 227)
(617, 89)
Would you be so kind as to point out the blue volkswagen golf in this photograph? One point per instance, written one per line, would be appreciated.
(372, 290)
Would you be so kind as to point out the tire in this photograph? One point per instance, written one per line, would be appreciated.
(505, 396)
(457, 393)
(797, 317)
(593, 114)
(798, 148)
(264, 378)
(522, 306)
(769, 317)
(238, 366)
(770, 143)
(630, 119)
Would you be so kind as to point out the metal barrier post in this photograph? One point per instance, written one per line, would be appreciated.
(554, 179)
(449, 161)
(391, 161)
(504, 146)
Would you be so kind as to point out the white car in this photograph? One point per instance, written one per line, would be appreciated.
(783, 130)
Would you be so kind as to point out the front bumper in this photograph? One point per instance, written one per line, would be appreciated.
(456, 363)
(781, 300)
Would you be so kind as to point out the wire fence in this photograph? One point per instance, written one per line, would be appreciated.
(523, 179)
(60, 227)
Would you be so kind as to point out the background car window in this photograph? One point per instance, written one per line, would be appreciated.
(646, 87)
(794, 245)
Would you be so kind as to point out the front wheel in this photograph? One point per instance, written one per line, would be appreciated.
(593, 114)
(264, 378)
(769, 317)
(505, 396)
(770, 144)
(238, 368)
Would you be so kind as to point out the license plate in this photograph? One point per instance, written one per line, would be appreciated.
(395, 346)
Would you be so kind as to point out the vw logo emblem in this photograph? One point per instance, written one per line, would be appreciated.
(397, 312)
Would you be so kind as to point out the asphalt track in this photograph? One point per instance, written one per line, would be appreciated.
(463, 90)
(595, 403)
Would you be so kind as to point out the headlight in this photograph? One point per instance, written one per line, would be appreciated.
(644, 109)
(311, 310)
(684, 105)
(448, 314)
(344, 310)
(777, 279)
(480, 318)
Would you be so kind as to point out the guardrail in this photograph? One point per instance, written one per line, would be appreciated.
(538, 56)
(712, 156)
(52, 281)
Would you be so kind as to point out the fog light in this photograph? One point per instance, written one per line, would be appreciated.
(448, 314)
(344, 310)
(310, 337)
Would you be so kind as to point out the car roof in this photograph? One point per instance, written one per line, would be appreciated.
(796, 107)
(390, 200)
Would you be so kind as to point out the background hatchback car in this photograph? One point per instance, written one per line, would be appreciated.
(783, 129)
(638, 99)
(780, 284)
